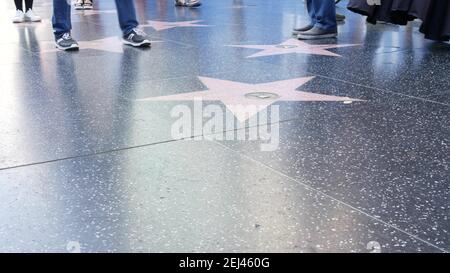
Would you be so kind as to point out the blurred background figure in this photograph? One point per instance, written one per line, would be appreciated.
(188, 3)
(83, 5)
(25, 15)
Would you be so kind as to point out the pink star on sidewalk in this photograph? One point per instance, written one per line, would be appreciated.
(161, 25)
(294, 46)
(233, 94)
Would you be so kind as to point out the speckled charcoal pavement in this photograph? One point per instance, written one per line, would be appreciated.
(89, 159)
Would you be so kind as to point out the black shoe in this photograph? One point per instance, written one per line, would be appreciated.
(296, 31)
(66, 43)
(188, 3)
(317, 33)
(340, 17)
(136, 38)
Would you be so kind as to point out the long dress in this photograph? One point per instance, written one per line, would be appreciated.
(436, 23)
(435, 14)
(398, 12)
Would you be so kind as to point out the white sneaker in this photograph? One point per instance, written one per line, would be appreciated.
(79, 5)
(30, 16)
(19, 17)
(188, 3)
(88, 5)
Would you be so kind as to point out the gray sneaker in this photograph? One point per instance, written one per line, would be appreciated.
(297, 31)
(317, 33)
(136, 38)
(188, 3)
(79, 5)
(67, 43)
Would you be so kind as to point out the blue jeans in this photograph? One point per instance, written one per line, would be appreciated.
(322, 13)
(62, 21)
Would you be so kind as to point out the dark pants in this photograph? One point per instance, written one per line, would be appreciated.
(19, 5)
(322, 13)
(62, 22)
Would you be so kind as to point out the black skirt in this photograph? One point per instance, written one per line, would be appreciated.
(436, 23)
(398, 12)
(435, 14)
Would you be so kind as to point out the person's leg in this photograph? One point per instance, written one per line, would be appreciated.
(324, 14)
(61, 18)
(127, 15)
(29, 14)
(312, 17)
(128, 24)
(19, 4)
(19, 17)
(311, 11)
(325, 21)
(28, 4)
(62, 25)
